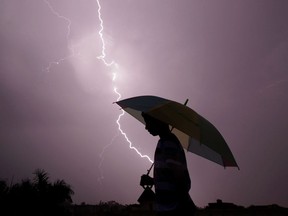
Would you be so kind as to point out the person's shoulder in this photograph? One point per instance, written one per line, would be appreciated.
(170, 138)
(170, 141)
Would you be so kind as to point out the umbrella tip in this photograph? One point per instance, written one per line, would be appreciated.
(186, 101)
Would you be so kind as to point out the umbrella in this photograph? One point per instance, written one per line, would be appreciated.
(195, 133)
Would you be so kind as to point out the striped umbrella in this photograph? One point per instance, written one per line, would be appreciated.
(195, 133)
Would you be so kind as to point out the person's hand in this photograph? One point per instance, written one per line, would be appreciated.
(146, 180)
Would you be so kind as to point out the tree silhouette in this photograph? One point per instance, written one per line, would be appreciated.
(4, 191)
(41, 180)
(37, 197)
(62, 192)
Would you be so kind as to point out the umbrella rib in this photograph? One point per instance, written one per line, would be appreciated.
(185, 103)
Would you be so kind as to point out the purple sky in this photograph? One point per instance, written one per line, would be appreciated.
(230, 58)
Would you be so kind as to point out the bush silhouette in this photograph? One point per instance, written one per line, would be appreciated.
(37, 197)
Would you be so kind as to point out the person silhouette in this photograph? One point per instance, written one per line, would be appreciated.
(170, 177)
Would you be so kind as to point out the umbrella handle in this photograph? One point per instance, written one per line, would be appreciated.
(148, 171)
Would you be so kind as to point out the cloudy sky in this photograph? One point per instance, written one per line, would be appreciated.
(229, 58)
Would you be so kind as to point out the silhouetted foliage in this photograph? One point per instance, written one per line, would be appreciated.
(37, 197)
(110, 208)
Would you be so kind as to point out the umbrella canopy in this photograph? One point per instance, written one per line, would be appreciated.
(195, 133)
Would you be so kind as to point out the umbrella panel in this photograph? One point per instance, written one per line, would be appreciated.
(195, 133)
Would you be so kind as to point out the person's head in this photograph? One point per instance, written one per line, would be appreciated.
(154, 126)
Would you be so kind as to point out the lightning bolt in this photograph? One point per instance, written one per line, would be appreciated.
(112, 64)
(71, 48)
